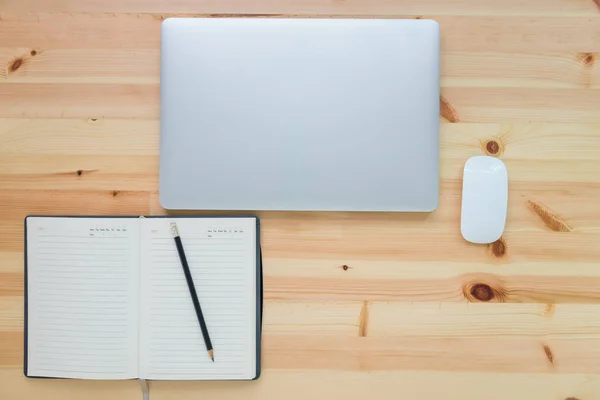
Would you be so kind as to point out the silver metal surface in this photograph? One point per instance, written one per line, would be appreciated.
(299, 114)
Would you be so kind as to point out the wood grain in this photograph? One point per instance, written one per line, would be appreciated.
(459, 68)
(357, 305)
(302, 7)
(529, 34)
(390, 385)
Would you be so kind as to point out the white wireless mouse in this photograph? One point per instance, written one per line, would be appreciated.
(484, 199)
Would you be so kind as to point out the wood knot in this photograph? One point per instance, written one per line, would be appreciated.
(549, 310)
(554, 222)
(498, 248)
(115, 193)
(79, 172)
(363, 320)
(549, 354)
(447, 111)
(482, 292)
(16, 64)
(571, 398)
(345, 267)
(493, 147)
(33, 53)
(587, 59)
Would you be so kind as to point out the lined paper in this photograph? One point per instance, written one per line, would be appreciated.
(83, 297)
(222, 257)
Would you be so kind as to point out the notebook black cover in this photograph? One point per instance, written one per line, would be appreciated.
(259, 279)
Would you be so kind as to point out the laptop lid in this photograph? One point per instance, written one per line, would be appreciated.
(299, 114)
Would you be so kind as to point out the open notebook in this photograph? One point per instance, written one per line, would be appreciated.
(106, 298)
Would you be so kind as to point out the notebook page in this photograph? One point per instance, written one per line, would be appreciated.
(222, 258)
(82, 283)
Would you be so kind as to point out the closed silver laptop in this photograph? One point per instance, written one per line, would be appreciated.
(299, 114)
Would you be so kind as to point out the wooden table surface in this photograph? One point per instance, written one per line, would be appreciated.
(381, 306)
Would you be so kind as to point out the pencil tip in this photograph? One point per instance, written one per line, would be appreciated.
(211, 354)
(212, 358)
(174, 230)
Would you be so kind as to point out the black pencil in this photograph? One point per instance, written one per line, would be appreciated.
(192, 288)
